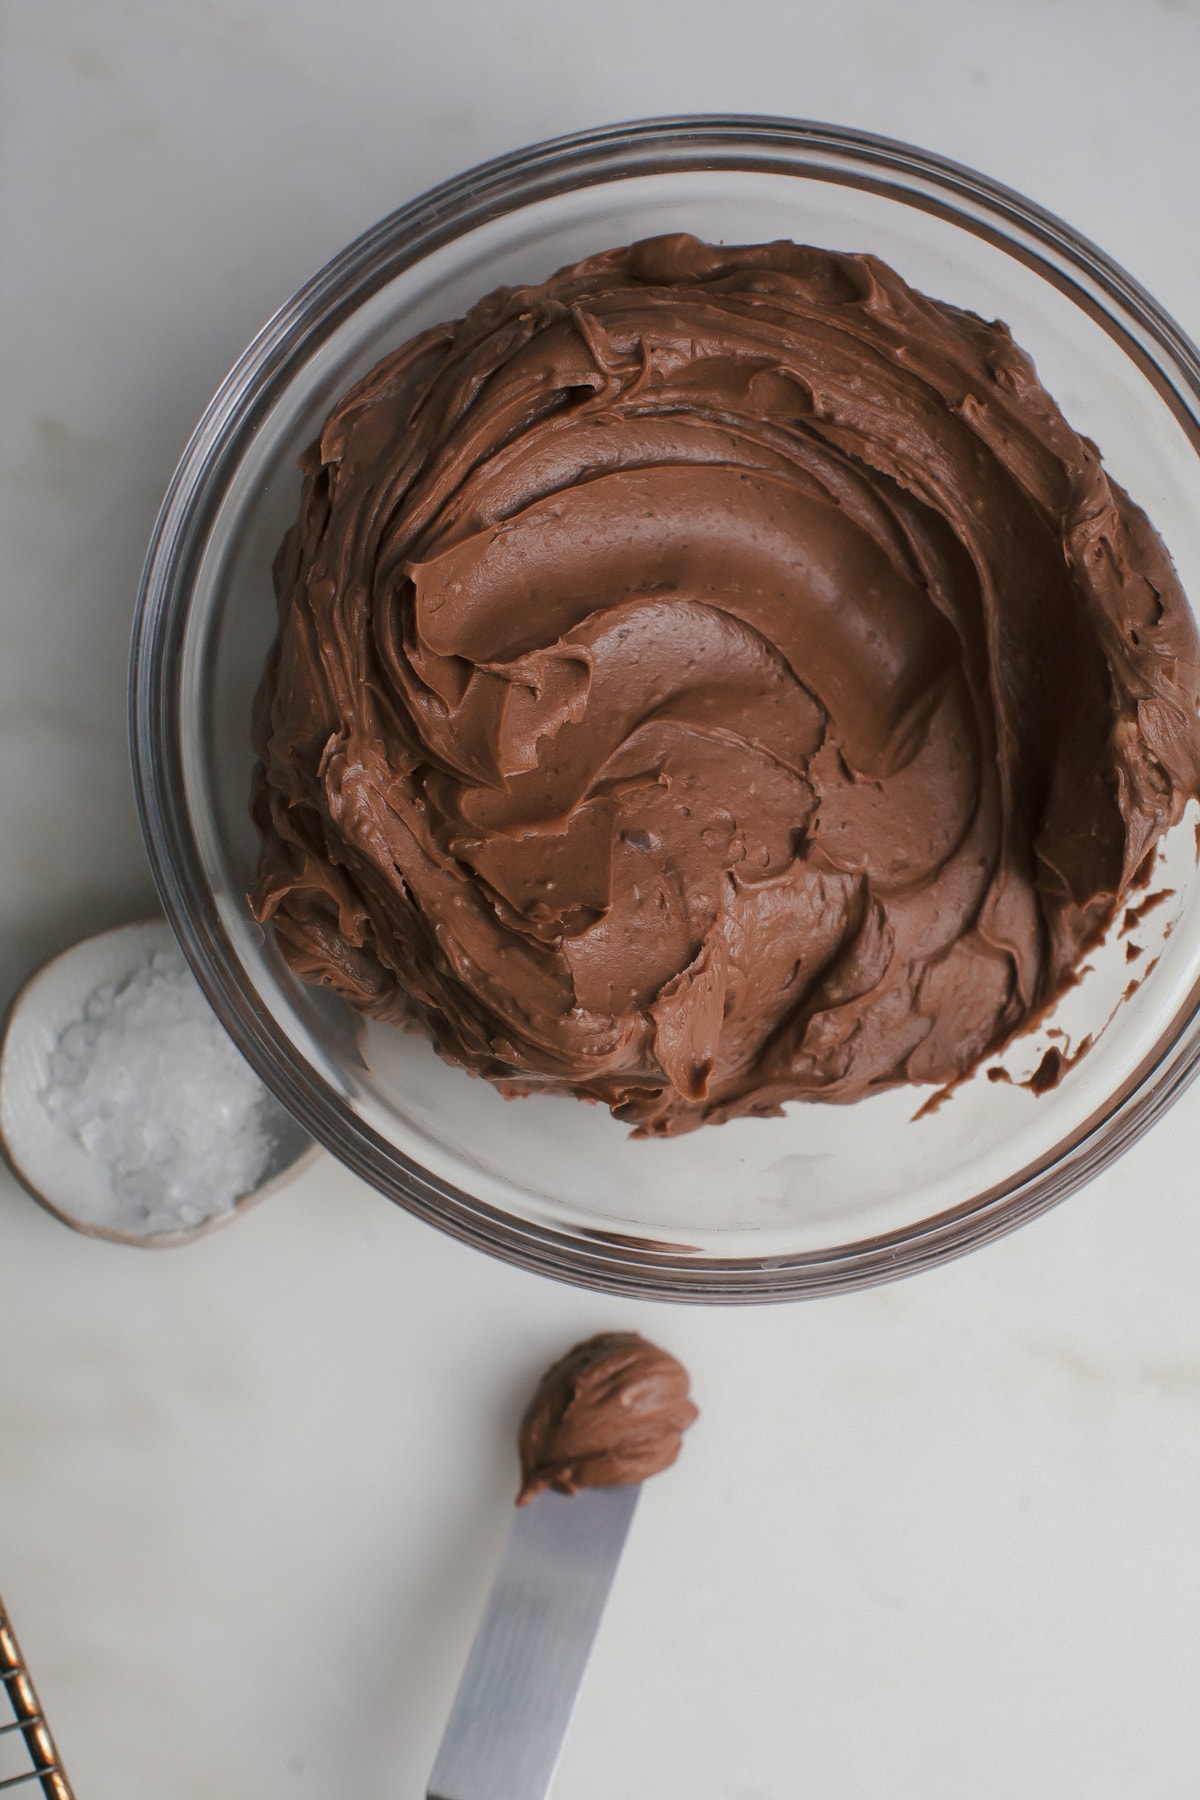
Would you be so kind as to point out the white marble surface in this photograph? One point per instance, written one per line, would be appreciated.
(934, 1541)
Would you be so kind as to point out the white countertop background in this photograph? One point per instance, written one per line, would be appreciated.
(933, 1542)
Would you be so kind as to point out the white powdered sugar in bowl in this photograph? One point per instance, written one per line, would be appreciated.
(125, 1105)
(149, 1083)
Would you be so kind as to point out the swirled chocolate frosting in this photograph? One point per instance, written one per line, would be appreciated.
(609, 1413)
(713, 678)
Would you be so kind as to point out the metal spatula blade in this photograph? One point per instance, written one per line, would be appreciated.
(518, 1691)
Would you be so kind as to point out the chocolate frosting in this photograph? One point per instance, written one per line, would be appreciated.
(713, 678)
(610, 1412)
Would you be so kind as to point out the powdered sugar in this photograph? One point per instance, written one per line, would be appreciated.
(147, 1082)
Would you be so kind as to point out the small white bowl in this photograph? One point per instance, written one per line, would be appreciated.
(55, 1169)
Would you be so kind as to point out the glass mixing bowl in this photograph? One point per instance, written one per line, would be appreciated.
(827, 1197)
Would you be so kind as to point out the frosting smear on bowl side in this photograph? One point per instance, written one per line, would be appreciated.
(712, 678)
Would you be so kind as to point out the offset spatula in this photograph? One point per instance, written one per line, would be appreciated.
(518, 1691)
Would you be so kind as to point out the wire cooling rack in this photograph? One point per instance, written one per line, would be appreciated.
(27, 1727)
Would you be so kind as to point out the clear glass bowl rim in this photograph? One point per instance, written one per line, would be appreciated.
(604, 1260)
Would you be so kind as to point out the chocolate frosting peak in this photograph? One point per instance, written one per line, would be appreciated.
(712, 678)
(609, 1413)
